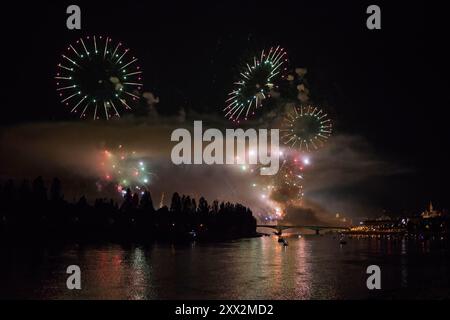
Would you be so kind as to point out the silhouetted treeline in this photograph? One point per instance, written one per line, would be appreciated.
(30, 211)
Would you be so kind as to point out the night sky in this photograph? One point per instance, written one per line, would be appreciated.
(374, 82)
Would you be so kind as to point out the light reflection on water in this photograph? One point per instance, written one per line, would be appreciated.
(311, 267)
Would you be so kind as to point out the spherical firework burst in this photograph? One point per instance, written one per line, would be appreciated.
(306, 128)
(255, 84)
(98, 78)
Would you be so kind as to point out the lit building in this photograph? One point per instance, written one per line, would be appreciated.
(430, 213)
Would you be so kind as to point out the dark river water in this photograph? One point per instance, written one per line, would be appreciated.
(311, 267)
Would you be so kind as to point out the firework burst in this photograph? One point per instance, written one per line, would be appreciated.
(125, 169)
(255, 84)
(98, 78)
(306, 128)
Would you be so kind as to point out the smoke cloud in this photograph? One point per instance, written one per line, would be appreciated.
(70, 151)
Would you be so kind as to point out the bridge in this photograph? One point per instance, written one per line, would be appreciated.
(279, 229)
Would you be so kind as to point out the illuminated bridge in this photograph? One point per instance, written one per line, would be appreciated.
(279, 228)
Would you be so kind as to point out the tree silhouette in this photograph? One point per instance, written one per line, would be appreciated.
(146, 202)
(175, 205)
(127, 201)
(29, 214)
(203, 207)
(25, 192)
(135, 201)
(9, 194)
(39, 190)
(56, 190)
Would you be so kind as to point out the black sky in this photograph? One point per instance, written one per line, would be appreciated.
(375, 81)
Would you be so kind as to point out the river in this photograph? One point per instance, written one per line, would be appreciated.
(311, 267)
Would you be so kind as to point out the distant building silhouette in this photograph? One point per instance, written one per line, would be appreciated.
(430, 213)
